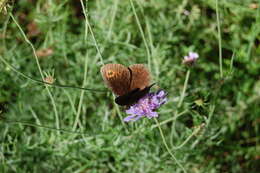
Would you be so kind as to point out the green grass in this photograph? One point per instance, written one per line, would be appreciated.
(210, 123)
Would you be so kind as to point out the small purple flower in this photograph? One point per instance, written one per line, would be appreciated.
(190, 59)
(146, 106)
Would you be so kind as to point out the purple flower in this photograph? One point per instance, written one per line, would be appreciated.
(190, 59)
(146, 106)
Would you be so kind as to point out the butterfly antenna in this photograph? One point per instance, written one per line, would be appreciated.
(151, 85)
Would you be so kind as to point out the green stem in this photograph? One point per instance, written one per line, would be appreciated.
(167, 147)
(81, 95)
(91, 31)
(42, 126)
(42, 82)
(142, 34)
(115, 7)
(188, 138)
(41, 73)
(173, 131)
(184, 88)
(219, 41)
(169, 120)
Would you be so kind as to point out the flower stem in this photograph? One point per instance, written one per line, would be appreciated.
(179, 105)
(87, 25)
(41, 72)
(196, 131)
(219, 41)
(142, 34)
(184, 88)
(167, 147)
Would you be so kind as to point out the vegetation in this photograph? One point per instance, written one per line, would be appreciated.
(210, 122)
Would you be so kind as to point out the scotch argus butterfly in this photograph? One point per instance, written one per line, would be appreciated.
(128, 83)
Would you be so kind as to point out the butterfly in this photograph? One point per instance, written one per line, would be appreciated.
(128, 83)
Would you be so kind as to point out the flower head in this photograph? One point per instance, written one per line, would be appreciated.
(190, 59)
(146, 106)
(49, 77)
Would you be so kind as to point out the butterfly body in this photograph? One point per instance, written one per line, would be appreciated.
(128, 83)
(132, 96)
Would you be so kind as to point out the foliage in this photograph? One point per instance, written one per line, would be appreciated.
(226, 110)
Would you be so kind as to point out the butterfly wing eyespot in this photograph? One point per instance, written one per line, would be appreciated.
(116, 77)
(140, 76)
(110, 74)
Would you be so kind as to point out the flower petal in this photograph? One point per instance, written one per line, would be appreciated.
(161, 93)
(152, 115)
(129, 118)
(146, 106)
(137, 118)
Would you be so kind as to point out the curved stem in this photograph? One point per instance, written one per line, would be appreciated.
(43, 82)
(41, 73)
(167, 147)
(142, 34)
(189, 137)
(173, 131)
(42, 126)
(91, 31)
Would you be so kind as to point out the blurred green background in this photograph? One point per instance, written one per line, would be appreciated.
(218, 120)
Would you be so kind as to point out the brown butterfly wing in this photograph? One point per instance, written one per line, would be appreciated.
(140, 76)
(117, 77)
